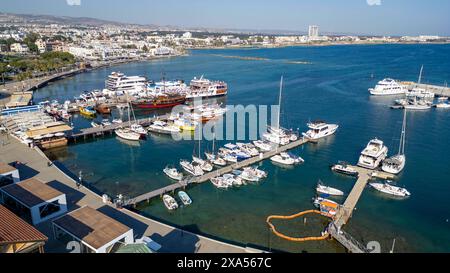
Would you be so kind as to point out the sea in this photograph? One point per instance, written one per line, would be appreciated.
(328, 83)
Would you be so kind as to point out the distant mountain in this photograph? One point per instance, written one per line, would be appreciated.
(86, 21)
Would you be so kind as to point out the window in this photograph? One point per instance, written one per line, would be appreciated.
(49, 209)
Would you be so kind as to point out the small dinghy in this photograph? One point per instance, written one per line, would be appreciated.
(328, 190)
(173, 173)
(389, 189)
(184, 197)
(170, 202)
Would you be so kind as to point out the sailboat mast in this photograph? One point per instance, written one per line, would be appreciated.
(401, 148)
(420, 75)
(279, 103)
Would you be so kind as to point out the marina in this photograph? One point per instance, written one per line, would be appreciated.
(152, 183)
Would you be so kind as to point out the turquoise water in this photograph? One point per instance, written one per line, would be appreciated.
(334, 88)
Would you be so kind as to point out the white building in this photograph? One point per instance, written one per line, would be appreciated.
(93, 230)
(41, 45)
(34, 200)
(187, 35)
(313, 32)
(19, 48)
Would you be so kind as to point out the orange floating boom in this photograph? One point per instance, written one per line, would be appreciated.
(290, 217)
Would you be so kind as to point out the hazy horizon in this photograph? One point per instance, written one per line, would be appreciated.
(363, 17)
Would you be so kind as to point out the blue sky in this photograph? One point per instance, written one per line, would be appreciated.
(392, 17)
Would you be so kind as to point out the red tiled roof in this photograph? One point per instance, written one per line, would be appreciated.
(15, 230)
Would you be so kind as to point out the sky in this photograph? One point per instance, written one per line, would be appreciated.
(374, 17)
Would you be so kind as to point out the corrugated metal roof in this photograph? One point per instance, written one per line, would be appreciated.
(15, 230)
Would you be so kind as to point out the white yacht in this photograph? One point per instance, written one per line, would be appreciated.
(389, 189)
(286, 159)
(201, 88)
(396, 163)
(328, 190)
(173, 173)
(320, 129)
(373, 154)
(127, 134)
(264, 146)
(162, 127)
(388, 87)
(128, 84)
(195, 170)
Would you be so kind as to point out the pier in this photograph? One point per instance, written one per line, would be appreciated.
(443, 91)
(345, 211)
(221, 171)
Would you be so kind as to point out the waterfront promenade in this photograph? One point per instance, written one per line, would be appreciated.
(35, 164)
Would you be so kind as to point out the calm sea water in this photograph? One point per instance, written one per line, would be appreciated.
(332, 87)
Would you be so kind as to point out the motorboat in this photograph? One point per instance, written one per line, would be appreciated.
(162, 127)
(264, 146)
(170, 202)
(173, 173)
(374, 153)
(254, 171)
(193, 169)
(286, 159)
(116, 121)
(395, 164)
(185, 124)
(320, 129)
(184, 197)
(95, 124)
(388, 87)
(216, 160)
(232, 179)
(219, 182)
(344, 168)
(127, 134)
(389, 189)
(106, 122)
(328, 190)
(442, 105)
(138, 129)
(248, 148)
(249, 175)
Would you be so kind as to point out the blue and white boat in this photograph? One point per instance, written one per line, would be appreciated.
(184, 197)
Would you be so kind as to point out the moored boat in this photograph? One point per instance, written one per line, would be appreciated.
(328, 190)
(184, 197)
(320, 129)
(170, 202)
(88, 111)
(389, 189)
(173, 173)
(344, 168)
(160, 102)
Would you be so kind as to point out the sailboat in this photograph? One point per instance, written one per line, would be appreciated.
(215, 159)
(396, 163)
(276, 134)
(420, 92)
(127, 133)
(204, 165)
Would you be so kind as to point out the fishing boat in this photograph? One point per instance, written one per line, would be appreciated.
(374, 153)
(164, 101)
(219, 182)
(264, 146)
(173, 173)
(395, 164)
(88, 111)
(320, 129)
(170, 202)
(389, 189)
(344, 168)
(184, 197)
(195, 170)
(328, 190)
